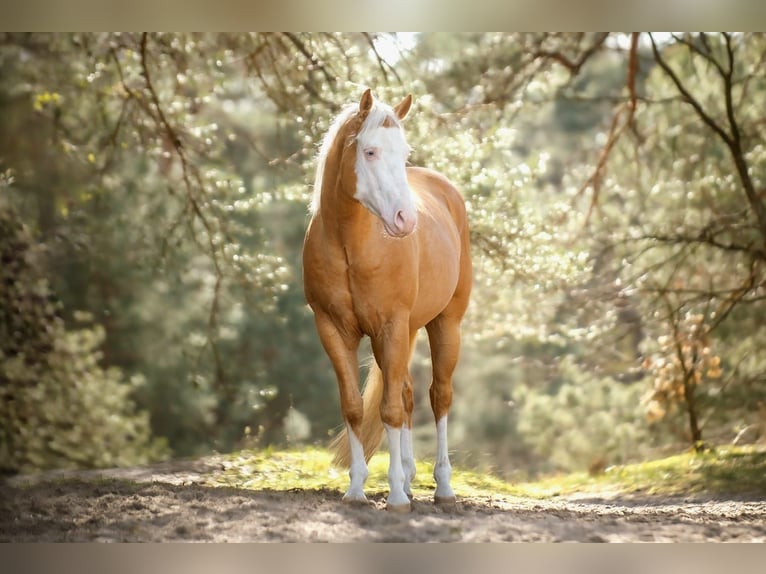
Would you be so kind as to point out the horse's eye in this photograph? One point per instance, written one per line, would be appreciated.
(370, 153)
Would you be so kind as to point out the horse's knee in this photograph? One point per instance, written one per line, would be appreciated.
(353, 411)
(408, 395)
(392, 412)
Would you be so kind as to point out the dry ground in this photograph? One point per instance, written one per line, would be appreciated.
(168, 502)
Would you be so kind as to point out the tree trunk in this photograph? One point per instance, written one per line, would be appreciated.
(691, 412)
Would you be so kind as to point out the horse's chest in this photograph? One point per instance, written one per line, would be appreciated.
(358, 297)
(380, 294)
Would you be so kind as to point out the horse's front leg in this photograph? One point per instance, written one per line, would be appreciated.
(408, 455)
(341, 346)
(391, 349)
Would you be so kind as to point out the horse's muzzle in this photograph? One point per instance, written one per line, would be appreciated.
(402, 225)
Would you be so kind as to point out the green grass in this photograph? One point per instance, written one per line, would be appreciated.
(722, 471)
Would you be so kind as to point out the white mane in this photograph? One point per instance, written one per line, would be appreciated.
(375, 118)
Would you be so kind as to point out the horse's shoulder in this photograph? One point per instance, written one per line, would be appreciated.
(322, 259)
(429, 183)
(427, 180)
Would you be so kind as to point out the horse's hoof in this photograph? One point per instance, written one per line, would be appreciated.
(355, 500)
(399, 508)
(445, 500)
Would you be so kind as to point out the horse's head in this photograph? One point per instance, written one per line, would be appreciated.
(379, 164)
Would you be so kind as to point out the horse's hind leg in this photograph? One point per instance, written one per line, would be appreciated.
(444, 339)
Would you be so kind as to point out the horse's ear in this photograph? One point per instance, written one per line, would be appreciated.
(403, 108)
(365, 104)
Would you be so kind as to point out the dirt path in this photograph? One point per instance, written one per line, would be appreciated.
(168, 503)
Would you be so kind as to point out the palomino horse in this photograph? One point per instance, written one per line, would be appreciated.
(386, 253)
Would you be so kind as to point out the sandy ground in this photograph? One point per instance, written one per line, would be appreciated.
(166, 503)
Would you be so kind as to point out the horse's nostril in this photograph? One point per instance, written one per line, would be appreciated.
(403, 223)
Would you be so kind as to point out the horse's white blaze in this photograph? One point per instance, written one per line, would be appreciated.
(381, 174)
(358, 471)
(408, 459)
(396, 495)
(442, 468)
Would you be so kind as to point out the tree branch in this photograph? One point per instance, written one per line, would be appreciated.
(688, 98)
(382, 63)
(315, 63)
(573, 66)
(733, 139)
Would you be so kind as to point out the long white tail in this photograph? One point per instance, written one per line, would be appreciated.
(372, 426)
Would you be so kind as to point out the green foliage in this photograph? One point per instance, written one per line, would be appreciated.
(727, 471)
(164, 180)
(583, 422)
(58, 406)
(680, 239)
(310, 468)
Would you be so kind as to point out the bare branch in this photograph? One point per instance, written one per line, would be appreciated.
(706, 237)
(622, 118)
(313, 60)
(632, 72)
(574, 66)
(688, 98)
(732, 139)
(382, 63)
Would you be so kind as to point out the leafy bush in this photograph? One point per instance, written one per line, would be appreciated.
(58, 406)
(587, 422)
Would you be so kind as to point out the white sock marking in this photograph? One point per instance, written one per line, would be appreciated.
(442, 468)
(358, 471)
(408, 459)
(396, 495)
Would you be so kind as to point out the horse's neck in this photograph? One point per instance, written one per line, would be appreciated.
(346, 221)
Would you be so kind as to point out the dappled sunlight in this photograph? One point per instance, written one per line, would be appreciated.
(722, 472)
